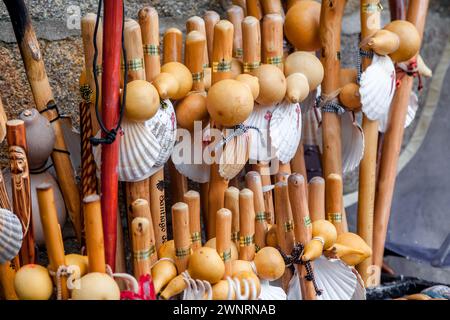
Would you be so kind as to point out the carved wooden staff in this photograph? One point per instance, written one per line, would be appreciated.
(392, 143)
(333, 203)
(316, 198)
(196, 23)
(285, 226)
(272, 40)
(141, 209)
(223, 238)
(247, 225)
(231, 202)
(235, 15)
(221, 69)
(20, 183)
(242, 4)
(254, 183)
(192, 199)
(370, 23)
(397, 9)
(302, 229)
(52, 233)
(95, 243)
(330, 37)
(181, 237)
(43, 98)
(149, 22)
(211, 18)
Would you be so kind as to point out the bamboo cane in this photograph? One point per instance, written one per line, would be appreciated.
(95, 243)
(141, 209)
(211, 18)
(173, 39)
(247, 225)
(223, 238)
(43, 98)
(149, 22)
(143, 250)
(392, 144)
(87, 34)
(222, 54)
(254, 183)
(231, 202)
(198, 24)
(235, 15)
(181, 236)
(330, 37)
(370, 23)
(285, 226)
(316, 198)
(52, 233)
(254, 9)
(302, 228)
(20, 182)
(192, 199)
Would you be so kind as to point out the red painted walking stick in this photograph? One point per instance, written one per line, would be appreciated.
(112, 43)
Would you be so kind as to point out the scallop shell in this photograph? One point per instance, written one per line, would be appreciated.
(234, 155)
(310, 127)
(138, 151)
(336, 280)
(10, 235)
(189, 165)
(352, 139)
(377, 87)
(269, 292)
(410, 115)
(260, 143)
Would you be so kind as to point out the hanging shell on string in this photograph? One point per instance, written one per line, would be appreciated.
(260, 142)
(139, 150)
(10, 235)
(377, 87)
(234, 155)
(335, 279)
(410, 114)
(286, 130)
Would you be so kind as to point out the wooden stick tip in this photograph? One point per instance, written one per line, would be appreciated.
(273, 17)
(317, 180)
(296, 179)
(147, 13)
(91, 198)
(235, 10)
(250, 20)
(89, 18)
(194, 19)
(212, 14)
(14, 123)
(246, 193)
(139, 203)
(334, 176)
(180, 206)
(232, 191)
(195, 36)
(224, 25)
(224, 212)
(192, 194)
(131, 24)
(44, 186)
(172, 30)
(280, 185)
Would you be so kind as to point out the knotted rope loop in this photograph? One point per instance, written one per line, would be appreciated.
(410, 69)
(297, 253)
(62, 271)
(238, 130)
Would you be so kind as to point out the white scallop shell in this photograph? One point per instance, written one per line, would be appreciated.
(260, 143)
(234, 155)
(10, 235)
(336, 280)
(410, 115)
(269, 292)
(352, 142)
(310, 127)
(192, 165)
(286, 130)
(377, 87)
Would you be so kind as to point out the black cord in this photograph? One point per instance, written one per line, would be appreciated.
(109, 135)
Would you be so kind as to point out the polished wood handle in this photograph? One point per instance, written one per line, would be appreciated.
(247, 225)
(173, 42)
(232, 204)
(333, 191)
(135, 51)
(149, 22)
(143, 249)
(95, 244)
(254, 183)
(194, 58)
(272, 40)
(211, 18)
(222, 51)
(235, 15)
(316, 198)
(141, 209)
(223, 238)
(251, 44)
(192, 199)
(196, 23)
(181, 236)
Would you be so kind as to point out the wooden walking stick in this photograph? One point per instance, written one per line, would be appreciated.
(316, 198)
(223, 238)
(181, 236)
(333, 203)
(143, 250)
(173, 42)
(235, 15)
(52, 234)
(95, 243)
(247, 225)
(20, 182)
(285, 226)
(330, 37)
(302, 229)
(192, 199)
(149, 22)
(272, 6)
(196, 23)
(210, 18)
(272, 40)
(194, 59)
(370, 23)
(242, 4)
(392, 143)
(141, 209)
(43, 98)
(221, 69)
(254, 183)
(397, 9)
(232, 203)
(298, 164)
(254, 9)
